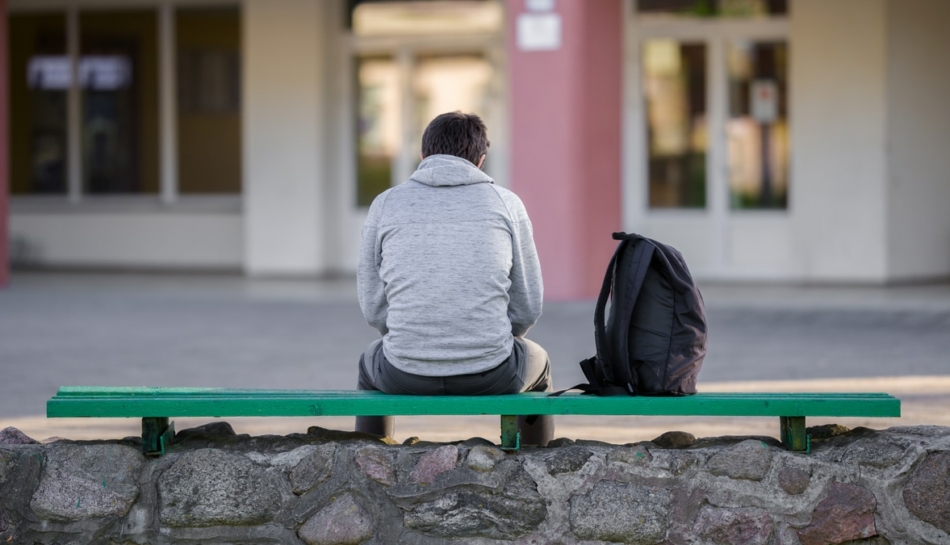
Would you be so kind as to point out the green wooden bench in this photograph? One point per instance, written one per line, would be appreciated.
(156, 405)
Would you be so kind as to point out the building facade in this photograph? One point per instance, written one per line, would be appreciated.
(768, 140)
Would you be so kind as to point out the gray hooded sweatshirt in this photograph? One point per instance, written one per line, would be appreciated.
(448, 271)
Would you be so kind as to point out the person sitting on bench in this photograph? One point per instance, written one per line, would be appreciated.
(449, 275)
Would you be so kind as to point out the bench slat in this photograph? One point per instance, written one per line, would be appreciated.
(126, 391)
(218, 402)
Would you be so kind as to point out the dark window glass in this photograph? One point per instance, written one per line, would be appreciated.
(379, 129)
(758, 124)
(713, 8)
(118, 75)
(209, 102)
(674, 81)
(39, 79)
(448, 83)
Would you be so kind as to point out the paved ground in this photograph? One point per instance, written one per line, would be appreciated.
(163, 330)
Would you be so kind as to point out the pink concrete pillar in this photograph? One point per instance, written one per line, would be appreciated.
(4, 149)
(565, 132)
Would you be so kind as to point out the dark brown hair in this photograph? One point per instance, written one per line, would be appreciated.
(458, 134)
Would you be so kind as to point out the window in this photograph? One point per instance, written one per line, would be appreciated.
(414, 60)
(675, 91)
(757, 130)
(106, 108)
(379, 126)
(209, 100)
(712, 8)
(118, 76)
(714, 114)
(445, 83)
(40, 76)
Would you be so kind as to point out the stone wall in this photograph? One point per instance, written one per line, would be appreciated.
(325, 487)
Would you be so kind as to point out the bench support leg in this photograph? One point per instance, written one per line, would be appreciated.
(794, 436)
(157, 434)
(510, 436)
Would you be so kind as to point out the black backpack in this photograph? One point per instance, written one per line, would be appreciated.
(654, 339)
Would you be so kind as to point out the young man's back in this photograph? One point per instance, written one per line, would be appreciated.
(452, 274)
(449, 275)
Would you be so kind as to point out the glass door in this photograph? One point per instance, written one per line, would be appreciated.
(674, 90)
(410, 61)
(757, 127)
(395, 102)
(707, 132)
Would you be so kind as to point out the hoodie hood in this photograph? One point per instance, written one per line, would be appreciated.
(448, 170)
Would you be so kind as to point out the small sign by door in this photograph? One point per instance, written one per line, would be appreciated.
(764, 100)
(539, 31)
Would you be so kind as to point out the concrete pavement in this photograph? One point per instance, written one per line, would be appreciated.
(197, 330)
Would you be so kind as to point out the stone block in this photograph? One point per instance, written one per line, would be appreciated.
(846, 514)
(826, 431)
(434, 463)
(793, 480)
(927, 492)
(471, 510)
(675, 439)
(877, 453)
(210, 487)
(560, 442)
(13, 436)
(313, 469)
(750, 459)
(634, 455)
(681, 462)
(87, 481)
(567, 460)
(377, 464)
(324, 434)
(206, 432)
(748, 526)
(623, 513)
(343, 522)
(484, 458)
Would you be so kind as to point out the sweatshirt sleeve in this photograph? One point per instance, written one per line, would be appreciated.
(527, 291)
(370, 287)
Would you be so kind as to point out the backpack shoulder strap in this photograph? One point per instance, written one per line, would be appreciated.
(626, 290)
(590, 366)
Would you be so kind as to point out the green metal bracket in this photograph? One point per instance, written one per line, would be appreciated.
(794, 436)
(157, 434)
(510, 436)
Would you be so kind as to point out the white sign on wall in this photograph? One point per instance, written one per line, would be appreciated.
(764, 100)
(539, 31)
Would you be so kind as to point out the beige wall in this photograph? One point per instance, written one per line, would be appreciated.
(284, 154)
(871, 139)
(129, 237)
(838, 118)
(918, 140)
